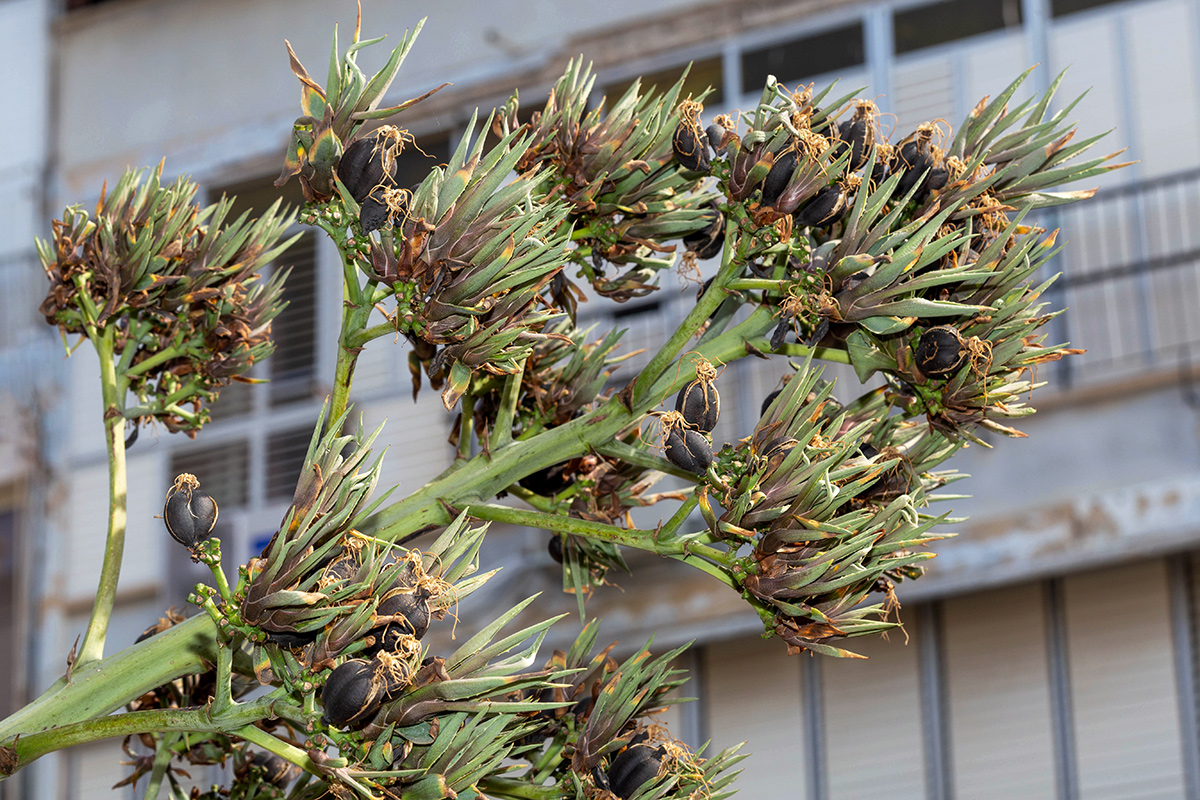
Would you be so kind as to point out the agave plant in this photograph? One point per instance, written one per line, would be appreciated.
(912, 261)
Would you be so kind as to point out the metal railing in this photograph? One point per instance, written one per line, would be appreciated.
(1130, 279)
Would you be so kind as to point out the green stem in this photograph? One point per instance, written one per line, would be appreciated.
(161, 357)
(502, 430)
(101, 687)
(754, 284)
(708, 303)
(110, 569)
(162, 759)
(630, 537)
(831, 354)
(482, 477)
(359, 338)
(32, 746)
(280, 748)
(507, 787)
(636, 538)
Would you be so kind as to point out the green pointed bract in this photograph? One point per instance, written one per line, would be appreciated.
(334, 114)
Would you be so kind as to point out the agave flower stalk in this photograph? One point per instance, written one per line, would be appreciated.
(170, 296)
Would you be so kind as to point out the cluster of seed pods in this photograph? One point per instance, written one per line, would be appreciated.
(687, 431)
(357, 687)
(806, 164)
(368, 169)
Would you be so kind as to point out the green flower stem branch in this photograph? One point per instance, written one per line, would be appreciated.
(113, 394)
(485, 475)
(357, 304)
(237, 721)
(98, 688)
(648, 540)
(164, 751)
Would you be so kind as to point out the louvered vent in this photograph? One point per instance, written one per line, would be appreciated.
(285, 457)
(292, 366)
(223, 471)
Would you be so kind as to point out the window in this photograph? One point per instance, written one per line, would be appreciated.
(292, 366)
(704, 74)
(285, 457)
(801, 58)
(950, 20)
(1060, 8)
(223, 471)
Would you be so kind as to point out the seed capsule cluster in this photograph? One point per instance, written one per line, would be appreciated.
(189, 513)
(687, 441)
(368, 168)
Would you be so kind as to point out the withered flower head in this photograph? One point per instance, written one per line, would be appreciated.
(172, 288)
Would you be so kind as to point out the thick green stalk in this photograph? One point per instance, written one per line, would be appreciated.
(112, 393)
(708, 303)
(101, 687)
(483, 477)
(33, 746)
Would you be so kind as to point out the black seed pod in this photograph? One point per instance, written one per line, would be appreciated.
(699, 404)
(859, 132)
(825, 208)
(291, 638)
(715, 135)
(688, 449)
(710, 241)
(189, 513)
(361, 168)
(555, 547)
(937, 178)
(372, 214)
(940, 351)
(389, 638)
(409, 605)
(778, 177)
(279, 771)
(351, 694)
(690, 145)
(393, 673)
(632, 768)
(547, 482)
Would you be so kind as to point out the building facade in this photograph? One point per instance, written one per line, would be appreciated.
(1051, 650)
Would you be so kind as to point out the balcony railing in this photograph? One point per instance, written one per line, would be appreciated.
(1131, 279)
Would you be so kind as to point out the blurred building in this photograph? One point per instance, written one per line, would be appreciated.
(1051, 650)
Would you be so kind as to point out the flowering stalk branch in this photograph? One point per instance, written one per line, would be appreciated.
(112, 393)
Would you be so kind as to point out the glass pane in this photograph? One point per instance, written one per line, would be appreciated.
(938, 23)
(796, 59)
(285, 457)
(703, 75)
(293, 364)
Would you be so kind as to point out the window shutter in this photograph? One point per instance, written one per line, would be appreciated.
(994, 646)
(285, 457)
(293, 364)
(1123, 683)
(752, 694)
